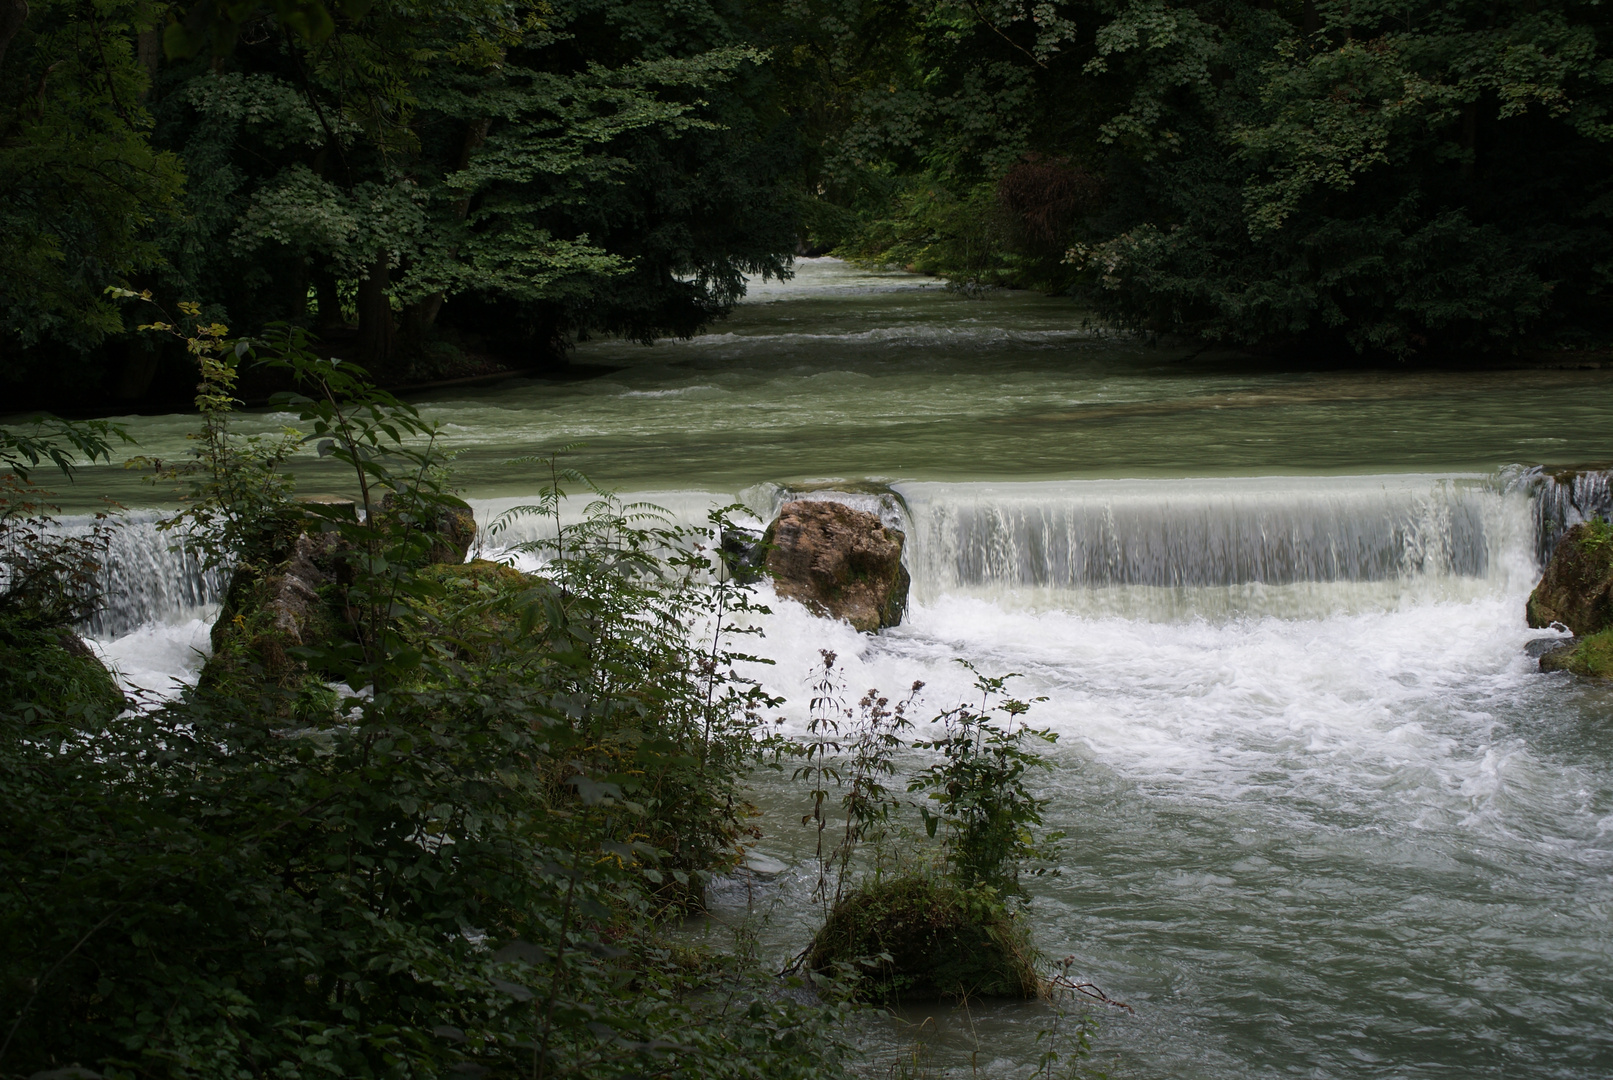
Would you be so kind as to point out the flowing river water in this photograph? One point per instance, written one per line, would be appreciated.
(1324, 818)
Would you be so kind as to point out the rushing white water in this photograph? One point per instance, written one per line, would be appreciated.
(1325, 817)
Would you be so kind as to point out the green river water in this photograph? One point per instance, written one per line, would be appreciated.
(1324, 817)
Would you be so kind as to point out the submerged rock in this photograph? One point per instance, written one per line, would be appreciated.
(938, 939)
(839, 562)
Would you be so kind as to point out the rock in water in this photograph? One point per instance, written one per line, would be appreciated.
(920, 939)
(839, 562)
(1577, 589)
(447, 520)
(267, 612)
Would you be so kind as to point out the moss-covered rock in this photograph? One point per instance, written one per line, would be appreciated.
(54, 670)
(1577, 587)
(1590, 655)
(269, 611)
(941, 940)
(448, 521)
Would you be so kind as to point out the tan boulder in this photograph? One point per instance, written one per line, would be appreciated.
(839, 562)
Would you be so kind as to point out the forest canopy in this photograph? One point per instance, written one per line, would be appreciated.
(433, 188)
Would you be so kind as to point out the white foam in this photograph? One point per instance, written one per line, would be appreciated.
(1366, 711)
(159, 658)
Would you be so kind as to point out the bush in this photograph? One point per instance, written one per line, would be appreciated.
(456, 871)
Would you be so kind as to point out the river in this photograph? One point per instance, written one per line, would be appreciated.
(1324, 817)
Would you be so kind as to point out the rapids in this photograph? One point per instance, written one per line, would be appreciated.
(1324, 817)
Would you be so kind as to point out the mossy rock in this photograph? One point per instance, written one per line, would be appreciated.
(270, 611)
(1577, 588)
(943, 941)
(448, 521)
(1590, 655)
(55, 671)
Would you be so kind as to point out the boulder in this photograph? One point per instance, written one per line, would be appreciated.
(448, 520)
(918, 938)
(1577, 588)
(1591, 655)
(268, 611)
(838, 562)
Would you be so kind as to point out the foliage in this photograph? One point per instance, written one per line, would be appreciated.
(451, 870)
(865, 742)
(548, 170)
(80, 182)
(49, 578)
(988, 814)
(1401, 179)
(625, 593)
(50, 670)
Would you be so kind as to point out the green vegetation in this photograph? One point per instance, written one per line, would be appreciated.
(1590, 655)
(398, 177)
(460, 864)
(1401, 179)
(936, 924)
(453, 189)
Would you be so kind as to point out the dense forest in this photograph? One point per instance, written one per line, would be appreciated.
(449, 189)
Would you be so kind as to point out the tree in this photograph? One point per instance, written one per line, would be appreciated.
(1402, 178)
(80, 184)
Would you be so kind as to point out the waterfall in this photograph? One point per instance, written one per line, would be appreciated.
(1266, 545)
(1298, 546)
(147, 576)
(1562, 500)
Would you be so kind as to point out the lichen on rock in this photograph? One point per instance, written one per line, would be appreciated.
(839, 562)
(915, 937)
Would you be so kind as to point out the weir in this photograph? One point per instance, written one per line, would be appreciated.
(148, 576)
(1079, 543)
(1293, 546)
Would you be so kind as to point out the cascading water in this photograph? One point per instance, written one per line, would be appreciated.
(1562, 500)
(148, 576)
(158, 601)
(1206, 547)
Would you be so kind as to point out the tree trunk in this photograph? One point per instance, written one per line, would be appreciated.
(330, 302)
(148, 50)
(475, 135)
(377, 337)
(139, 368)
(13, 13)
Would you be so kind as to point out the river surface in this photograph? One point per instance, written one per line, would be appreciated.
(1324, 817)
